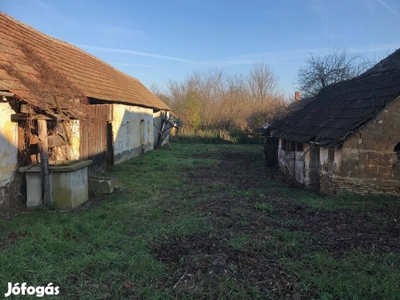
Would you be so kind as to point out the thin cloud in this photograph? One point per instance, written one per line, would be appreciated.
(273, 56)
(120, 31)
(276, 57)
(137, 53)
(389, 7)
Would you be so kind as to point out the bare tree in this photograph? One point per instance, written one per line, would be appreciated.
(263, 83)
(212, 100)
(156, 90)
(321, 71)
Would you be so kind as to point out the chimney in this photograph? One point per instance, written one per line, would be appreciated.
(297, 95)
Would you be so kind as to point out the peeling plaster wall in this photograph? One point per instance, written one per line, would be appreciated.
(291, 163)
(330, 163)
(8, 150)
(307, 179)
(132, 131)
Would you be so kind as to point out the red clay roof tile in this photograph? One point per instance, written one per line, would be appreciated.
(37, 67)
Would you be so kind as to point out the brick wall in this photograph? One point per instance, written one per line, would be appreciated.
(369, 163)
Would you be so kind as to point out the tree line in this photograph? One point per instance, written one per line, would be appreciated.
(213, 100)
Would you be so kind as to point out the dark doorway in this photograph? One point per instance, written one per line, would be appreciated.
(110, 145)
(271, 151)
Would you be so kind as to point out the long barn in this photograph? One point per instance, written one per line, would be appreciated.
(57, 96)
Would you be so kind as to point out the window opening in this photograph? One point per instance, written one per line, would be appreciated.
(397, 150)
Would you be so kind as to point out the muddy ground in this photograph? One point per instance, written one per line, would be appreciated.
(247, 244)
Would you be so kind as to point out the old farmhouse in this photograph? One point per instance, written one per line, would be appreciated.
(56, 97)
(348, 136)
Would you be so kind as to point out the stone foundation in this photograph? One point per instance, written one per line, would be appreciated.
(334, 185)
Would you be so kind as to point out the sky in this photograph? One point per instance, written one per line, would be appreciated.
(158, 41)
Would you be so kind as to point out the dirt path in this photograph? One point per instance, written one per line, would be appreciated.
(251, 233)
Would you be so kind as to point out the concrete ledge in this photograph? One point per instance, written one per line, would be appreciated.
(56, 168)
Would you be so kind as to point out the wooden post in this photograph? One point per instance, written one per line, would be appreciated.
(165, 138)
(63, 123)
(44, 161)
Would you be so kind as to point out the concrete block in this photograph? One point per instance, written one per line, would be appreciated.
(99, 186)
(68, 184)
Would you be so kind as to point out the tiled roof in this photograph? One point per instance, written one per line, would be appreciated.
(341, 109)
(36, 67)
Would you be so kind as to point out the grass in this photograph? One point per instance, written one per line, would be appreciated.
(353, 276)
(183, 199)
(264, 207)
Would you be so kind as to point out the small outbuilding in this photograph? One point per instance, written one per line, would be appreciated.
(348, 136)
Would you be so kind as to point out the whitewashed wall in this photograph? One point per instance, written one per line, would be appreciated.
(292, 163)
(8, 149)
(132, 131)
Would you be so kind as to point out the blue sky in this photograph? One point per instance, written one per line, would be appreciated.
(161, 40)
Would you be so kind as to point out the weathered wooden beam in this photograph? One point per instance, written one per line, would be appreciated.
(56, 141)
(165, 139)
(24, 108)
(42, 133)
(63, 124)
(23, 116)
(44, 161)
(6, 94)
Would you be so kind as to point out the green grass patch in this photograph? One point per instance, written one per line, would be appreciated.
(268, 207)
(353, 276)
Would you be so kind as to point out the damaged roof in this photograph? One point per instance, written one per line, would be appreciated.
(36, 68)
(341, 109)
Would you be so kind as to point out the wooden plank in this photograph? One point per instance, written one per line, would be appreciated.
(56, 141)
(42, 133)
(93, 134)
(165, 138)
(63, 123)
(25, 109)
(6, 94)
(44, 161)
(23, 116)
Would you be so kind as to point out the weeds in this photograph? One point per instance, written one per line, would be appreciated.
(267, 207)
